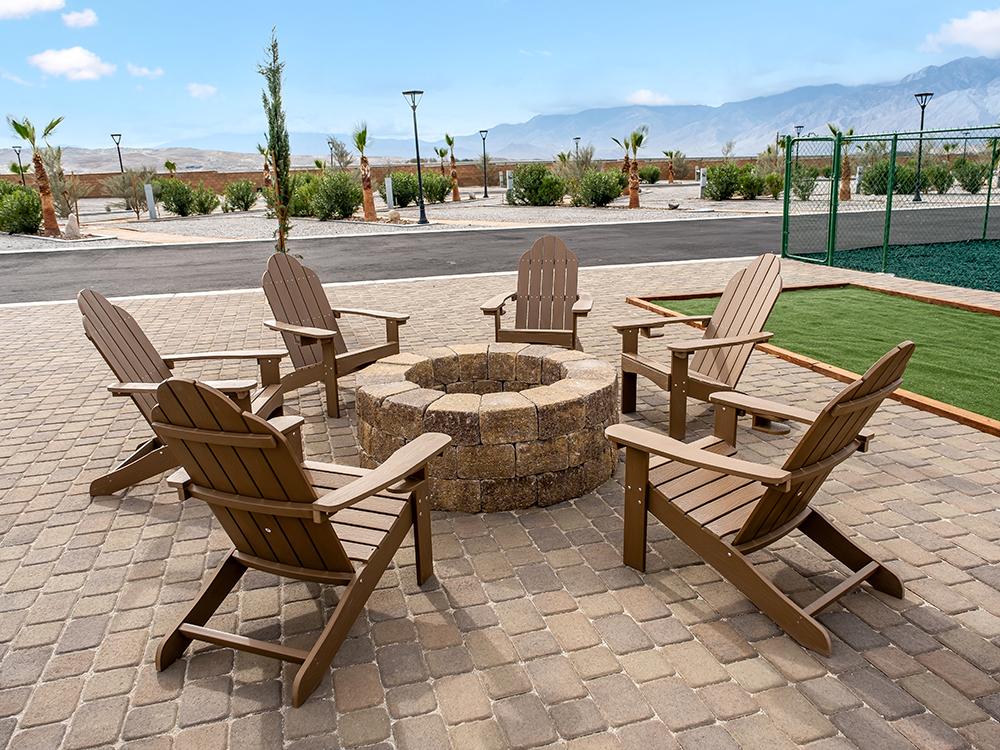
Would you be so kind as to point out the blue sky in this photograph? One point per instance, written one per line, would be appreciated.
(162, 72)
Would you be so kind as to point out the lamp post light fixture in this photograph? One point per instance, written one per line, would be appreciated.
(486, 180)
(117, 138)
(576, 142)
(798, 132)
(922, 99)
(414, 99)
(20, 167)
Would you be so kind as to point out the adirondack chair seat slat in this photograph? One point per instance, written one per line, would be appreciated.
(715, 362)
(344, 530)
(725, 508)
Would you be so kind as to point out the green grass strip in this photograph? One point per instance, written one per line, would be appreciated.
(957, 359)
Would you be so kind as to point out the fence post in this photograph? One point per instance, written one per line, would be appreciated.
(890, 188)
(989, 186)
(831, 232)
(787, 197)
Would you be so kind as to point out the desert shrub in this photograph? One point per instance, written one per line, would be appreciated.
(906, 179)
(774, 184)
(597, 188)
(649, 174)
(20, 211)
(204, 200)
(723, 181)
(938, 176)
(536, 185)
(240, 195)
(404, 188)
(337, 195)
(176, 196)
(436, 187)
(130, 187)
(751, 183)
(6, 188)
(875, 178)
(302, 193)
(680, 165)
(971, 175)
(804, 181)
(826, 172)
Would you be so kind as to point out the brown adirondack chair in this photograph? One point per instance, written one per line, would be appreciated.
(700, 367)
(725, 508)
(304, 520)
(140, 369)
(308, 325)
(547, 302)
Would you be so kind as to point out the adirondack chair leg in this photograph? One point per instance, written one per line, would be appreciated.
(215, 590)
(829, 537)
(150, 459)
(678, 395)
(628, 391)
(392, 333)
(636, 506)
(725, 423)
(330, 380)
(270, 373)
(423, 551)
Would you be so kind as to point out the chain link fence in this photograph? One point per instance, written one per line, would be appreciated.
(918, 205)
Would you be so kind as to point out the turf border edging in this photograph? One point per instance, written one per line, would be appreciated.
(924, 403)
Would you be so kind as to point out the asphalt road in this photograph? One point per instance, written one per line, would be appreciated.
(32, 277)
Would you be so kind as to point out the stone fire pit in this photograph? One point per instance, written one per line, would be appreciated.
(527, 421)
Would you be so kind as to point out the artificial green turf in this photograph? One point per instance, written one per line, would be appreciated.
(957, 359)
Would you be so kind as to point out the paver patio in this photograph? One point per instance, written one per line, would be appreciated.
(533, 633)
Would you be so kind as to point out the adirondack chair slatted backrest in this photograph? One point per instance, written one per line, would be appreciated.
(743, 309)
(826, 443)
(296, 296)
(546, 286)
(122, 344)
(242, 457)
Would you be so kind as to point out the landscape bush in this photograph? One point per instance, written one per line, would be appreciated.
(20, 211)
(971, 176)
(176, 196)
(649, 174)
(597, 188)
(404, 188)
(875, 178)
(302, 193)
(804, 179)
(751, 183)
(906, 179)
(774, 184)
(130, 186)
(337, 195)
(6, 188)
(536, 185)
(204, 200)
(240, 195)
(723, 181)
(436, 187)
(939, 177)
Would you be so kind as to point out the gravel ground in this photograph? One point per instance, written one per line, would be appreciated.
(21, 243)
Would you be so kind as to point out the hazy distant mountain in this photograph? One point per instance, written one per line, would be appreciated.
(966, 93)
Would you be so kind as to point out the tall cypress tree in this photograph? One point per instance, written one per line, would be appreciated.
(277, 143)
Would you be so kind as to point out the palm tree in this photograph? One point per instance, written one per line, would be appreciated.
(627, 163)
(845, 164)
(636, 139)
(360, 136)
(25, 130)
(670, 165)
(171, 167)
(949, 148)
(319, 164)
(450, 141)
(442, 153)
(262, 150)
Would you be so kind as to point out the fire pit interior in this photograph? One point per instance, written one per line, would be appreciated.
(527, 421)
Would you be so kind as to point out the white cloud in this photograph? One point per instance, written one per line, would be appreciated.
(979, 30)
(201, 90)
(648, 97)
(75, 63)
(80, 19)
(7, 76)
(140, 71)
(25, 8)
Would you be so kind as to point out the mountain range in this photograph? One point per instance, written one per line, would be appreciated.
(967, 93)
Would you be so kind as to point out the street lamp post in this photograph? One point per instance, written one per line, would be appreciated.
(965, 145)
(486, 180)
(798, 132)
(117, 138)
(331, 155)
(922, 99)
(414, 99)
(576, 142)
(20, 167)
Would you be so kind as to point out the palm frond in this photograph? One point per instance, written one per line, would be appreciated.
(360, 136)
(51, 126)
(450, 140)
(24, 129)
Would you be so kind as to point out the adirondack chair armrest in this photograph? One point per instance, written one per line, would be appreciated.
(405, 462)
(303, 332)
(693, 345)
(647, 326)
(257, 354)
(583, 305)
(232, 388)
(762, 407)
(495, 305)
(132, 389)
(399, 318)
(650, 442)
